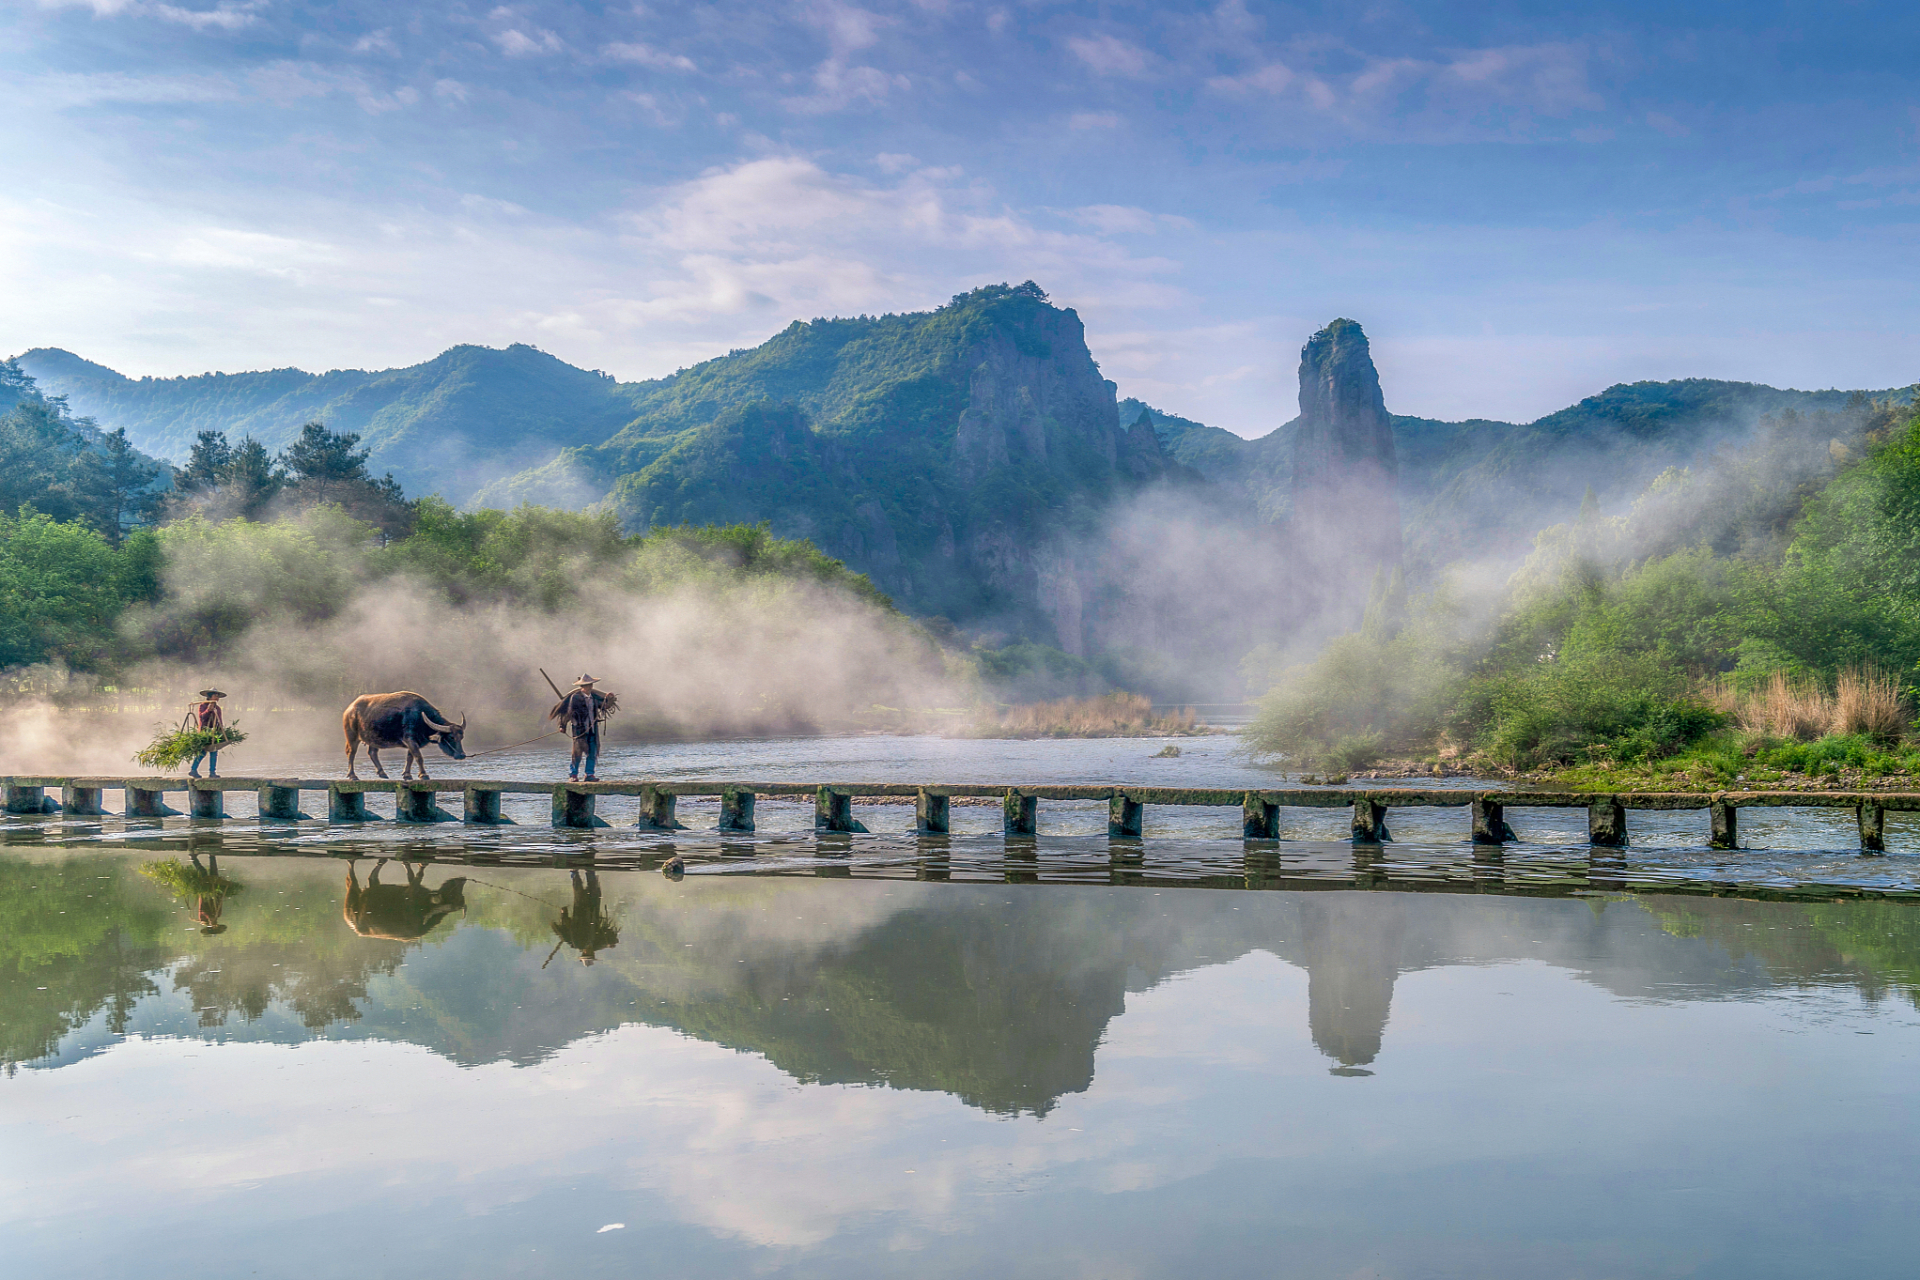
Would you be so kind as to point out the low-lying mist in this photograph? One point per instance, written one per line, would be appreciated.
(700, 632)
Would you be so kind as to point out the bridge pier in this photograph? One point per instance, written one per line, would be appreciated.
(205, 804)
(736, 809)
(574, 809)
(280, 804)
(1124, 817)
(1260, 818)
(1873, 828)
(481, 807)
(656, 811)
(1490, 823)
(142, 803)
(1020, 814)
(78, 801)
(932, 813)
(1607, 823)
(27, 800)
(1370, 822)
(418, 804)
(348, 806)
(833, 811)
(1723, 824)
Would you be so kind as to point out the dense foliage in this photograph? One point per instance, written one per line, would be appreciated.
(1630, 640)
(67, 467)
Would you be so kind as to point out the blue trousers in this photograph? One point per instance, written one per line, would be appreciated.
(588, 746)
(195, 766)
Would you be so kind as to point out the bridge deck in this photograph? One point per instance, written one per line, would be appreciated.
(574, 803)
(1286, 797)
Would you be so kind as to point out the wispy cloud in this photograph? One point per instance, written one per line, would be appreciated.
(1416, 94)
(647, 56)
(516, 43)
(223, 17)
(1109, 55)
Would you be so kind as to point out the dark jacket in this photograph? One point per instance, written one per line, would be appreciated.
(581, 712)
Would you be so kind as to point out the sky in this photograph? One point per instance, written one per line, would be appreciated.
(1521, 203)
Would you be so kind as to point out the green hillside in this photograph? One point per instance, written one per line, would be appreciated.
(1483, 488)
(941, 451)
(449, 425)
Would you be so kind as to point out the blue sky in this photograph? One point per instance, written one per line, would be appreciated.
(1521, 203)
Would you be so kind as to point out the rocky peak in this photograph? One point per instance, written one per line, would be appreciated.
(1345, 474)
(1141, 454)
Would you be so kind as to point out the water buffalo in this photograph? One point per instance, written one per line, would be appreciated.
(398, 720)
(396, 913)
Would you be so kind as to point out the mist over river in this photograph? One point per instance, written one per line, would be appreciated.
(238, 1049)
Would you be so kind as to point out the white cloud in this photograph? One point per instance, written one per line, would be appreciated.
(847, 27)
(376, 42)
(68, 90)
(1420, 95)
(224, 17)
(1112, 218)
(1109, 55)
(516, 43)
(648, 56)
(1082, 120)
(288, 82)
(837, 86)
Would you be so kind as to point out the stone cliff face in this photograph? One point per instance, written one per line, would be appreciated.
(1346, 513)
(963, 458)
(1035, 396)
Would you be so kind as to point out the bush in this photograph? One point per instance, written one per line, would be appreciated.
(1565, 712)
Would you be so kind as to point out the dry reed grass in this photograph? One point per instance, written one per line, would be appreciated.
(1864, 700)
(1112, 715)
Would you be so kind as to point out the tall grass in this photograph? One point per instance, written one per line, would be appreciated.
(1112, 715)
(1864, 701)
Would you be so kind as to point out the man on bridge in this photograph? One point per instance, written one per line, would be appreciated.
(581, 712)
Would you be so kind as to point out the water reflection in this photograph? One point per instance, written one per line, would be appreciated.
(400, 913)
(999, 996)
(204, 885)
(585, 926)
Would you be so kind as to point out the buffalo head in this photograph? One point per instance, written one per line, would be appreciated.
(448, 735)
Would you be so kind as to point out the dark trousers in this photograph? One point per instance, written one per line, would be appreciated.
(215, 766)
(587, 745)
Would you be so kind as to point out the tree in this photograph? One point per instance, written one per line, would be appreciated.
(252, 480)
(123, 487)
(326, 467)
(324, 463)
(207, 463)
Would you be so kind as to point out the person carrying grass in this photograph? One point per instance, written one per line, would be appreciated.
(205, 715)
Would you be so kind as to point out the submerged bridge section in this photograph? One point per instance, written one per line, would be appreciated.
(575, 804)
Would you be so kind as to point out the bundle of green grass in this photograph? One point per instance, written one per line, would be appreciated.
(172, 748)
(188, 881)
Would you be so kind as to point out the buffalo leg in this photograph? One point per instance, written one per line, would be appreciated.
(373, 754)
(353, 749)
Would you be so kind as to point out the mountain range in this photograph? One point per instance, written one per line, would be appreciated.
(968, 459)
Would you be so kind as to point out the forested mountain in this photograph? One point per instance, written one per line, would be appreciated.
(1483, 488)
(965, 458)
(451, 425)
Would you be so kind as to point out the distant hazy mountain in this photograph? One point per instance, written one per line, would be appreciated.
(462, 419)
(962, 457)
(1483, 488)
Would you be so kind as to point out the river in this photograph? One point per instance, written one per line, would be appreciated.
(237, 1050)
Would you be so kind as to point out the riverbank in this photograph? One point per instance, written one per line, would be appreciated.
(1692, 772)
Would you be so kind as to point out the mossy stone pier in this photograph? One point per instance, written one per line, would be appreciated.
(575, 805)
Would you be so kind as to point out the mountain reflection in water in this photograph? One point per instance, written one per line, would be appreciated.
(995, 995)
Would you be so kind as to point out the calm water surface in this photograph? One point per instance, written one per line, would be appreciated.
(231, 1050)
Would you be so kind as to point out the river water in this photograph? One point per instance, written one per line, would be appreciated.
(235, 1050)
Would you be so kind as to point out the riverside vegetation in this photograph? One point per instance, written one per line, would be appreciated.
(1751, 622)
